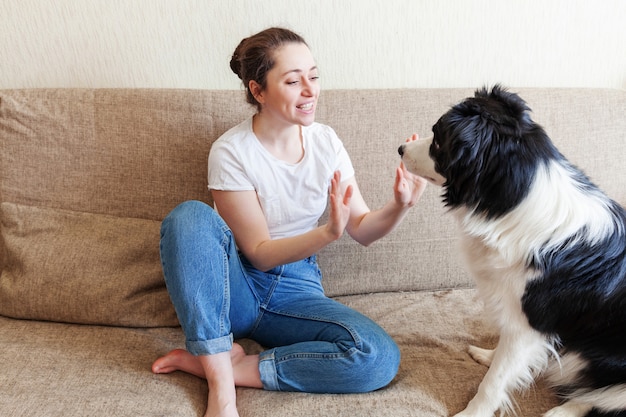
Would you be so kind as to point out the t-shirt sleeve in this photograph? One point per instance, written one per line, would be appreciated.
(226, 172)
(343, 161)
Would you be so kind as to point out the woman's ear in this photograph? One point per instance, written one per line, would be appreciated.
(257, 91)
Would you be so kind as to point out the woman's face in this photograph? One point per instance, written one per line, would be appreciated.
(292, 86)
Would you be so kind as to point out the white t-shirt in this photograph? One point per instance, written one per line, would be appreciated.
(292, 196)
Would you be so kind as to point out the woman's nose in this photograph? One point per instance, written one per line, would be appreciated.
(307, 88)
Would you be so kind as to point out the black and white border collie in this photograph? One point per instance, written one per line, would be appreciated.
(547, 249)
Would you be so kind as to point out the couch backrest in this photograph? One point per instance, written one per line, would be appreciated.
(137, 153)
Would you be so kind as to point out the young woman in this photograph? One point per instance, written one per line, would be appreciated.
(248, 268)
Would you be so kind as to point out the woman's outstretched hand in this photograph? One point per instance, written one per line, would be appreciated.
(339, 207)
(408, 187)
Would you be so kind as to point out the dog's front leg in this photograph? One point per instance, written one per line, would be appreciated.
(516, 358)
(482, 356)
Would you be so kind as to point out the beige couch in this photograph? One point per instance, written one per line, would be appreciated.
(87, 175)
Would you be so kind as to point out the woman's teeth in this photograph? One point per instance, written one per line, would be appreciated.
(308, 106)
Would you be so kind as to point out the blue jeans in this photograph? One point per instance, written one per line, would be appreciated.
(314, 344)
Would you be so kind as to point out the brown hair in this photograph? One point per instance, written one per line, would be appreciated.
(254, 57)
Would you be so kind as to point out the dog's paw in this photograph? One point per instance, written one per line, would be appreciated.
(478, 407)
(569, 409)
(468, 413)
(480, 355)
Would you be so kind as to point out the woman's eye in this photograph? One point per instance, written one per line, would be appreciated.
(295, 82)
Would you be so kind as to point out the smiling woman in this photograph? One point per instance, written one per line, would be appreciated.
(249, 267)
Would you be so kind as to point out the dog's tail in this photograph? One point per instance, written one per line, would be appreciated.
(602, 402)
(598, 386)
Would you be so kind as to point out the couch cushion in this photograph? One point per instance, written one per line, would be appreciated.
(78, 267)
(75, 371)
(130, 153)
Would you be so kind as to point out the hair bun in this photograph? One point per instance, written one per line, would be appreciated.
(235, 65)
(235, 61)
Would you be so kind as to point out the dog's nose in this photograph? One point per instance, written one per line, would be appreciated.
(401, 150)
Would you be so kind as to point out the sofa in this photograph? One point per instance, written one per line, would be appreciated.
(86, 176)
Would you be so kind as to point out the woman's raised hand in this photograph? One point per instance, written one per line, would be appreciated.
(408, 187)
(339, 207)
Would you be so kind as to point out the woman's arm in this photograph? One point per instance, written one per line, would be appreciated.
(243, 214)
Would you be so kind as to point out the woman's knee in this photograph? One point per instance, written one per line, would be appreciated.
(189, 209)
(382, 362)
(188, 216)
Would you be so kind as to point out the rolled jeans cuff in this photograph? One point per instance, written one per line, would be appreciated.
(210, 347)
(267, 368)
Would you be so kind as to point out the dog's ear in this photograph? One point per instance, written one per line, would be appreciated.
(464, 135)
(505, 109)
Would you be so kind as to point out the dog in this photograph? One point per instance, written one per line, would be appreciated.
(547, 250)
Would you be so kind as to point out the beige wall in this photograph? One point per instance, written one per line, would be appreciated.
(357, 43)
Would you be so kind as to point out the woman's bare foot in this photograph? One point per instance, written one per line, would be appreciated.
(181, 360)
(224, 370)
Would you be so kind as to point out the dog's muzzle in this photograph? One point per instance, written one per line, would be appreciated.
(416, 158)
